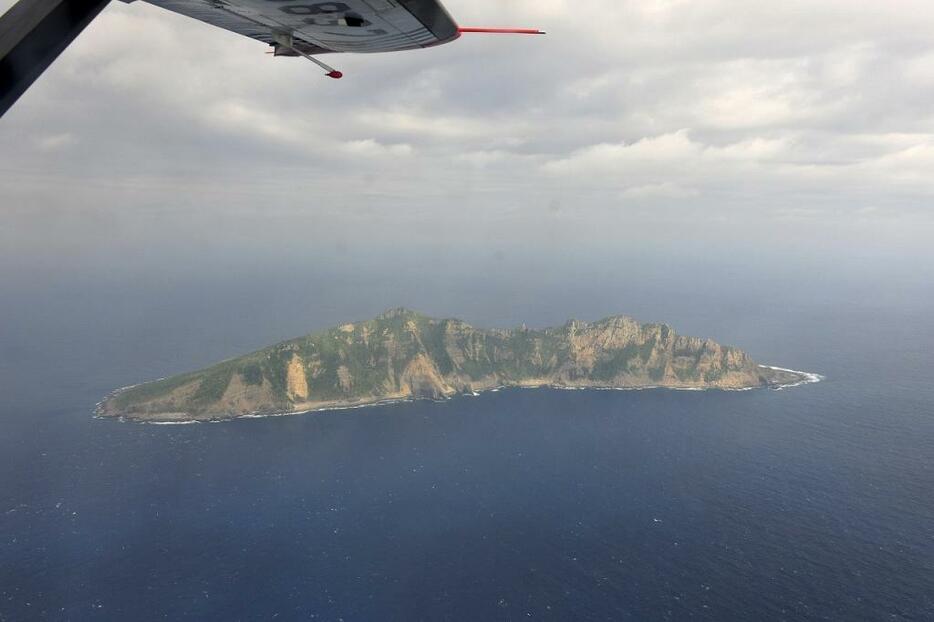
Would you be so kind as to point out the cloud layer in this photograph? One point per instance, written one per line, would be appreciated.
(640, 112)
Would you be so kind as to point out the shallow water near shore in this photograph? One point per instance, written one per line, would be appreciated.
(812, 502)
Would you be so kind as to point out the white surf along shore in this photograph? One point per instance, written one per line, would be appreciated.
(806, 378)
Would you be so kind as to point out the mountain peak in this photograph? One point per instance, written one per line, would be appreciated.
(397, 312)
(355, 364)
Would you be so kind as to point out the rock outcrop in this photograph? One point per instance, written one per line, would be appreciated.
(402, 354)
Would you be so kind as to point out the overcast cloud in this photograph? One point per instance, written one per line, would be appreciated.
(648, 114)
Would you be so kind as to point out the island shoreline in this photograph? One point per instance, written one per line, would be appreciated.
(803, 379)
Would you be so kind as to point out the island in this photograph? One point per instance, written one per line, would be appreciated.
(402, 355)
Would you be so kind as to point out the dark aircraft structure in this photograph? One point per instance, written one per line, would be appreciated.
(34, 32)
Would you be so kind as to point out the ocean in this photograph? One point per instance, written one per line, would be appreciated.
(810, 503)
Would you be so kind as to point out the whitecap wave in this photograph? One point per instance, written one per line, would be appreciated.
(807, 377)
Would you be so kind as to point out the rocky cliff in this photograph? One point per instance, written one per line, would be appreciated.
(402, 354)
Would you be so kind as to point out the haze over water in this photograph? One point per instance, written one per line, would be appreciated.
(754, 172)
(807, 503)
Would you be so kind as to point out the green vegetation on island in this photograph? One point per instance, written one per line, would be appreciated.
(402, 354)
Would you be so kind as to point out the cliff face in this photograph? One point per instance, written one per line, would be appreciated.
(402, 354)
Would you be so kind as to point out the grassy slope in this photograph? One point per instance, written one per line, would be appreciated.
(375, 354)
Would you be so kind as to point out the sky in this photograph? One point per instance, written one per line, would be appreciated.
(762, 133)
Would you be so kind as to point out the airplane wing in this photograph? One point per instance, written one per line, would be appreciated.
(307, 27)
(34, 32)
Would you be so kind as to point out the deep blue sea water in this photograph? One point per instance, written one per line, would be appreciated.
(812, 503)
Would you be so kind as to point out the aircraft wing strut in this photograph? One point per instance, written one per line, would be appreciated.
(32, 35)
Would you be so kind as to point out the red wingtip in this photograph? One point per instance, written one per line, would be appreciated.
(502, 31)
(334, 74)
